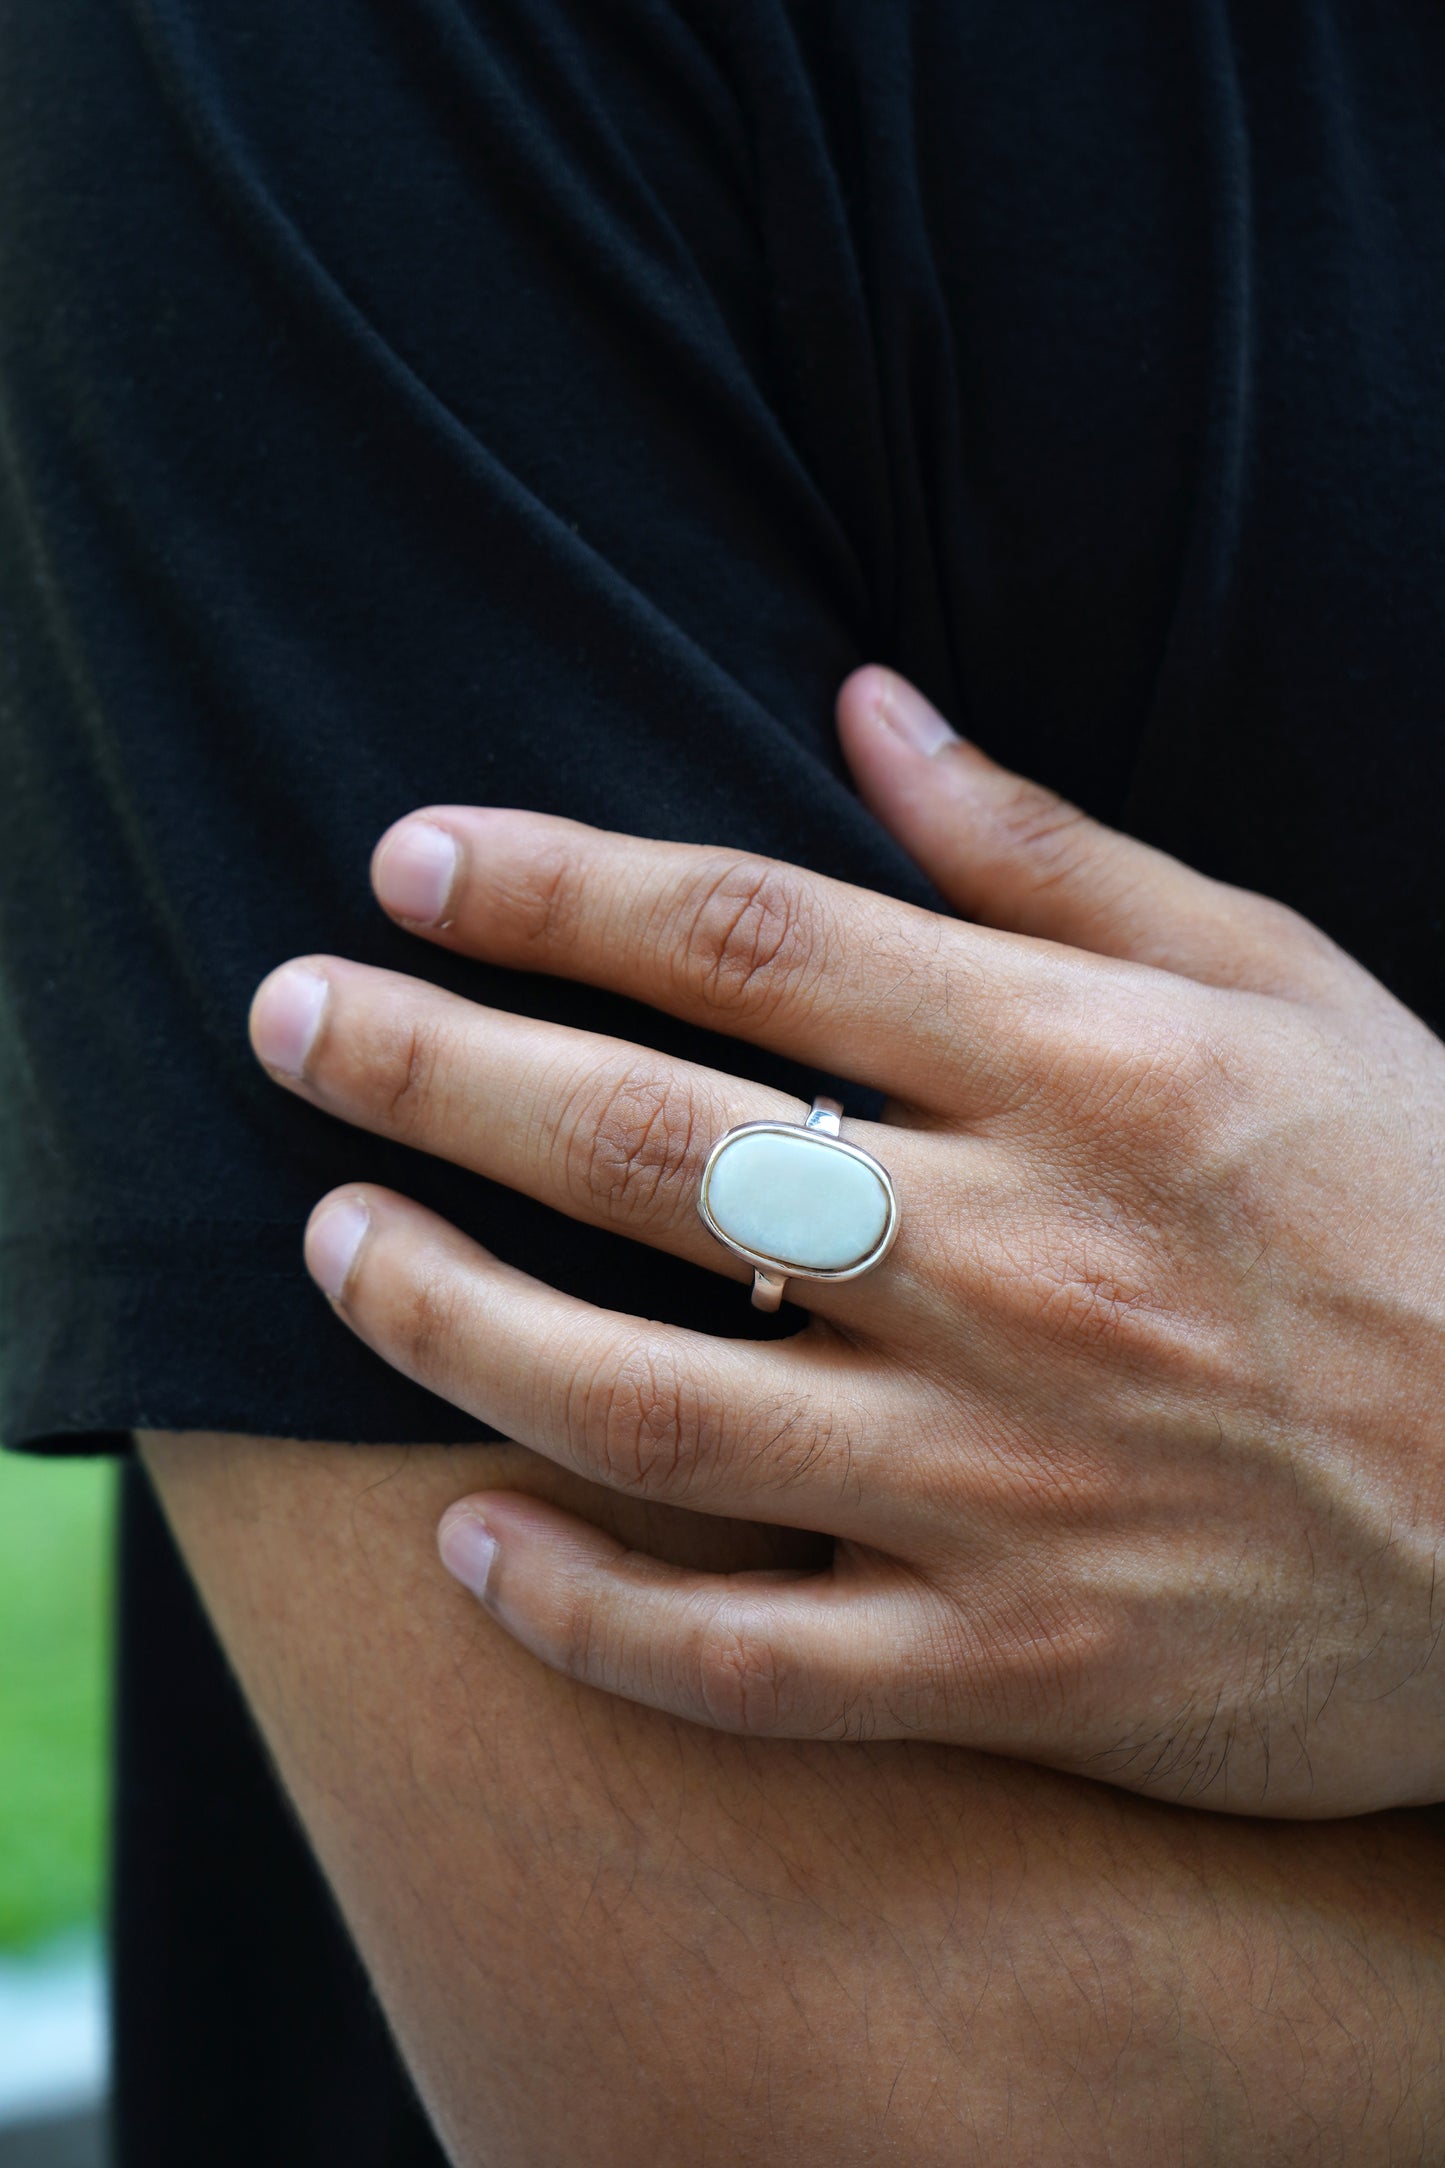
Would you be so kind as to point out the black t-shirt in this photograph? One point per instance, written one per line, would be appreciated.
(543, 403)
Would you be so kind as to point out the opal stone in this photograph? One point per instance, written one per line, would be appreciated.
(797, 1196)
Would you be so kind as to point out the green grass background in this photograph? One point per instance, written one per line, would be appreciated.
(54, 1629)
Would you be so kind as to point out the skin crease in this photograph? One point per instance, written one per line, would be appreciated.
(603, 1932)
(1130, 1449)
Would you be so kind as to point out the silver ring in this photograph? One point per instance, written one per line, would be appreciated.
(796, 1201)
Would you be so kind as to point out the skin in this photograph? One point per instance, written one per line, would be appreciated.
(604, 1934)
(1129, 1450)
(604, 1931)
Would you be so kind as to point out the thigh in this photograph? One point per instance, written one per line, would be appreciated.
(602, 1933)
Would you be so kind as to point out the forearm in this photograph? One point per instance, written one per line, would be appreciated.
(603, 1933)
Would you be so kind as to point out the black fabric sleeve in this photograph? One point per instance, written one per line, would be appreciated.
(399, 405)
(546, 403)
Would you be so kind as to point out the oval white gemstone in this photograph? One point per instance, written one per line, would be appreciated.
(794, 1196)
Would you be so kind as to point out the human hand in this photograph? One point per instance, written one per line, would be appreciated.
(1133, 1448)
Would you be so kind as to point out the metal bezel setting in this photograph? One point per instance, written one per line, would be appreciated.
(827, 1140)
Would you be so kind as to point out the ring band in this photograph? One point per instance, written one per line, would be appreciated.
(797, 1201)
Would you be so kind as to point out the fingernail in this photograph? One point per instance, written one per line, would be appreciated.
(468, 1549)
(415, 871)
(332, 1241)
(286, 1016)
(913, 719)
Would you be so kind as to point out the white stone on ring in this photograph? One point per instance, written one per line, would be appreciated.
(796, 1201)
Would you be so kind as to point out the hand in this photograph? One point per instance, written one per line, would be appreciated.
(1133, 1448)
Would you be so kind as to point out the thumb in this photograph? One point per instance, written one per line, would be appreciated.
(1010, 853)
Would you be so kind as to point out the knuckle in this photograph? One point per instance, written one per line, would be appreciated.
(581, 1648)
(1185, 1088)
(1082, 1291)
(639, 1423)
(631, 1145)
(1045, 1653)
(1163, 1088)
(740, 1677)
(1040, 826)
(1304, 951)
(410, 1075)
(793, 1443)
(746, 936)
(426, 1325)
(543, 897)
(389, 1071)
(1093, 1306)
(1286, 926)
(952, 1668)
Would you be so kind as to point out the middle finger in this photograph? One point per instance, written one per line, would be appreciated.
(951, 1017)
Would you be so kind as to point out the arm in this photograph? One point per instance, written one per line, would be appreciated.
(603, 1933)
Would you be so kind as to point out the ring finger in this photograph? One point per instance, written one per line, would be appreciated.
(607, 1132)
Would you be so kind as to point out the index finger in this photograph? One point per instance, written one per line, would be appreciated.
(867, 987)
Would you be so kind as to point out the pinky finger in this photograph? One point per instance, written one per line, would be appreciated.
(770, 1654)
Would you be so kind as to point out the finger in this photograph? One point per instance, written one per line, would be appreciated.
(856, 982)
(612, 1134)
(1010, 853)
(769, 1655)
(776, 1432)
